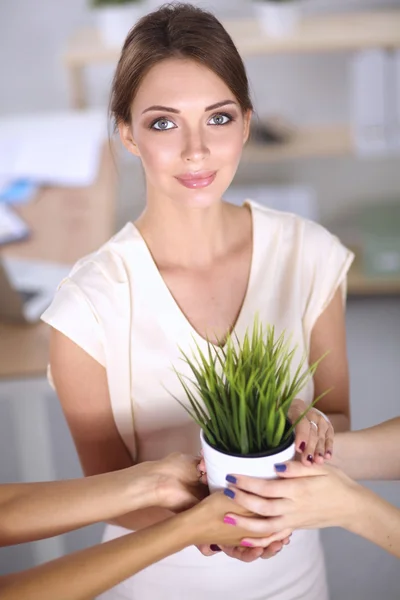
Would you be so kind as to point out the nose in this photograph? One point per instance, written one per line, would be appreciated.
(195, 148)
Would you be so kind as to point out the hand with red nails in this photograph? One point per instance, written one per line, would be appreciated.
(303, 498)
(314, 434)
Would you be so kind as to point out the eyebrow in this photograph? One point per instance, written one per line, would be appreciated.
(158, 107)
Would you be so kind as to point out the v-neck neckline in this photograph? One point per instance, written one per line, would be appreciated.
(198, 337)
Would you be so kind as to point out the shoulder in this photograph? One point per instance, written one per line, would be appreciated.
(298, 232)
(106, 265)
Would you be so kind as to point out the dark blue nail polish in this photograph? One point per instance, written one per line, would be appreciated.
(215, 548)
(231, 479)
(280, 468)
(229, 493)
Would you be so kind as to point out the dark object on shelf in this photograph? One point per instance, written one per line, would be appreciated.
(274, 130)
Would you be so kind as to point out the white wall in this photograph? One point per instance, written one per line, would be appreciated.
(32, 38)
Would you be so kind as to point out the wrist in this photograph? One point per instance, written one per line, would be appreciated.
(138, 486)
(358, 508)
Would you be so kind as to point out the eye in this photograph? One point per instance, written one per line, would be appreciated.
(220, 119)
(162, 124)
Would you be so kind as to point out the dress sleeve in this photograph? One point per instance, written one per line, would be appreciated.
(72, 314)
(326, 264)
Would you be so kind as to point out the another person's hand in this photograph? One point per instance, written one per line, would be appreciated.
(216, 534)
(307, 498)
(172, 482)
(314, 434)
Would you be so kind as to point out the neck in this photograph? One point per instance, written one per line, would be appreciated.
(187, 237)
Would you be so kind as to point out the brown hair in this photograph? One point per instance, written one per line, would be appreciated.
(176, 30)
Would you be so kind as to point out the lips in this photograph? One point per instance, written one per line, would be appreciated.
(201, 179)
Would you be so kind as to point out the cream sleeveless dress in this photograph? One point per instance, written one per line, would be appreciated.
(116, 306)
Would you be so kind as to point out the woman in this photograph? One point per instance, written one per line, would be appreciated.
(326, 496)
(193, 267)
(35, 511)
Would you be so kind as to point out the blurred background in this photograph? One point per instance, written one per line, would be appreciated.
(325, 79)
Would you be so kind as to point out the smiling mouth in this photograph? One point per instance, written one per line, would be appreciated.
(197, 180)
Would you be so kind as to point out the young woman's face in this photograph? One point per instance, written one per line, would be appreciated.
(189, 130)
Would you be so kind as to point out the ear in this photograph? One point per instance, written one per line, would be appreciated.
(246, 125)
(126, 135)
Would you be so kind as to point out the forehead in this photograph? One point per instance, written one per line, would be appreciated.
(179, 83)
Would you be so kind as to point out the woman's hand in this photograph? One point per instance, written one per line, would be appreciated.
(314, 434)
(210, 529)
(173, 482)
(309, 498)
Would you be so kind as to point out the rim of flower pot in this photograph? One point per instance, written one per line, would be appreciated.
(271, 452)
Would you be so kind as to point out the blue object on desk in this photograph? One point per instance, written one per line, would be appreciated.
(18, 192)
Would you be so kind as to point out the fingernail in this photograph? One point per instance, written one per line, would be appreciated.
(229, 521)
(229, 493)
(277, 552)
(231, 479)
(215, 548)
(246, 544)
(302, 446)
(281, 468)
(310, 458)
(329, 453)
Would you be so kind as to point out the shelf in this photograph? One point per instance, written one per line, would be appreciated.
(360, 285)
(337, 32)
(306, 142)
(323, 33)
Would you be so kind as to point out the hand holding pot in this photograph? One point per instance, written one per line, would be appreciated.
(176, 481)
(314, 434)
(215, 532)
(308, 498)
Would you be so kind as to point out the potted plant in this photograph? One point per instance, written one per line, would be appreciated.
(115, 18)
(240, 394)
(278, 18)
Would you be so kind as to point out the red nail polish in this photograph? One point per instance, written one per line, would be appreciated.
(310, 458)
(302, 446)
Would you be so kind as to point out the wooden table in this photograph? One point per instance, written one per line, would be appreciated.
(66, 224)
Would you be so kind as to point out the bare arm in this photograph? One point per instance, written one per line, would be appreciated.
(329, 335)
(370, 453)
(316, 497)
(82, 388)
(88, 573)
(31, 511)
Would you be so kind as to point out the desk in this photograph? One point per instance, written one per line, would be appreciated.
(66, 224)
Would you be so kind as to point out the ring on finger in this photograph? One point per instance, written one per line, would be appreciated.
(314, 424)
(321, 414)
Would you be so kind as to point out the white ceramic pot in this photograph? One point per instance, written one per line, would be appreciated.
(114, 22)
(219, 464)
(278, 19)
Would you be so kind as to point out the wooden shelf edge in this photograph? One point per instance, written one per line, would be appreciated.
(319, 33)
(306, 142)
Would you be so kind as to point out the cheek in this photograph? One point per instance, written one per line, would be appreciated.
(227, 145)
(158, 152)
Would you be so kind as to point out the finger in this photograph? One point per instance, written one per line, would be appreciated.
(272, 550)
(292, 469)
(313, 436)
(269, 527)
(329, 442)
(207, 550)
(319, 455)
(282, 538)
(267, 488)
(245, 554)
(264, 507)
(302, 434)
